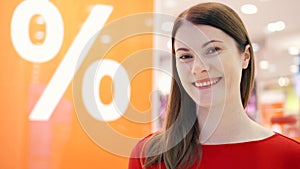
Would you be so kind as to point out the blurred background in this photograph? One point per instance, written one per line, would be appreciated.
(83, 81)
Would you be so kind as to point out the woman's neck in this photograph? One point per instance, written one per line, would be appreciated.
(229, 124)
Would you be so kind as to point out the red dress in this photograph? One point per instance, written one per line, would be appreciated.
(275, 152)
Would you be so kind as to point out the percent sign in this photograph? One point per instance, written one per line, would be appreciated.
(74, 56)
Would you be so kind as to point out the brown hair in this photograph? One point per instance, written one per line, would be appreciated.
(178, 144)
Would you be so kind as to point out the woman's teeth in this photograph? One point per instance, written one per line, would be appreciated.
(207, 83)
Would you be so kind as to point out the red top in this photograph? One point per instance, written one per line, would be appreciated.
(275, 152)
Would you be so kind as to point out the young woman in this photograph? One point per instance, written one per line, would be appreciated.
(206, 125)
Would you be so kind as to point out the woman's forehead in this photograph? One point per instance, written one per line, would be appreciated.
(194, 35)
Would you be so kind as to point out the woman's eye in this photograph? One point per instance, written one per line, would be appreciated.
(185, 57)
(213, 50)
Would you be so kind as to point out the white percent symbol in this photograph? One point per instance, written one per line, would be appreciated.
(74, 56)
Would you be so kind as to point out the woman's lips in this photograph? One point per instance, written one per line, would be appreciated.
(207, 82)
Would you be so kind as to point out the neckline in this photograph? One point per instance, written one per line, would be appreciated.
(242, 143)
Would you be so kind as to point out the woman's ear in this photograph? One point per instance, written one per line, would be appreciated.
(246, 55)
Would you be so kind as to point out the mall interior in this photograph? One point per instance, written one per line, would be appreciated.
(82, 81)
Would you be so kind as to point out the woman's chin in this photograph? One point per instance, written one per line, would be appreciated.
(203, 104)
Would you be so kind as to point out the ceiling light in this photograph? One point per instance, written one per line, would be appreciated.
(263, 64)
(276, 26)
(293, 50)
(294, 69)
(249, 9)
(283, 81)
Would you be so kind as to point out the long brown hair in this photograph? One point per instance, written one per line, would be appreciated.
(177, 146)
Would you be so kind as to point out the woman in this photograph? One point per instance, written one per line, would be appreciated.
(206, 125)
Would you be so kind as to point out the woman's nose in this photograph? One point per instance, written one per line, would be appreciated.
(199, 67)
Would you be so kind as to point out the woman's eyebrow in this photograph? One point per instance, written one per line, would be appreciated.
(183, 49)
(211, 41)
(205, 44)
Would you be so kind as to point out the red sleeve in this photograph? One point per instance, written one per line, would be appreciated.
(135, 161)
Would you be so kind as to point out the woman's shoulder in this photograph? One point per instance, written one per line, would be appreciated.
(283, 144)
(284, 140)
(289, 150)
(139, 146)
(136, 159)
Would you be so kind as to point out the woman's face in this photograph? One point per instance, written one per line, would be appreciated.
(209, 64)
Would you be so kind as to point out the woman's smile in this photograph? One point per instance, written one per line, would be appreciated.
(206, 83)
